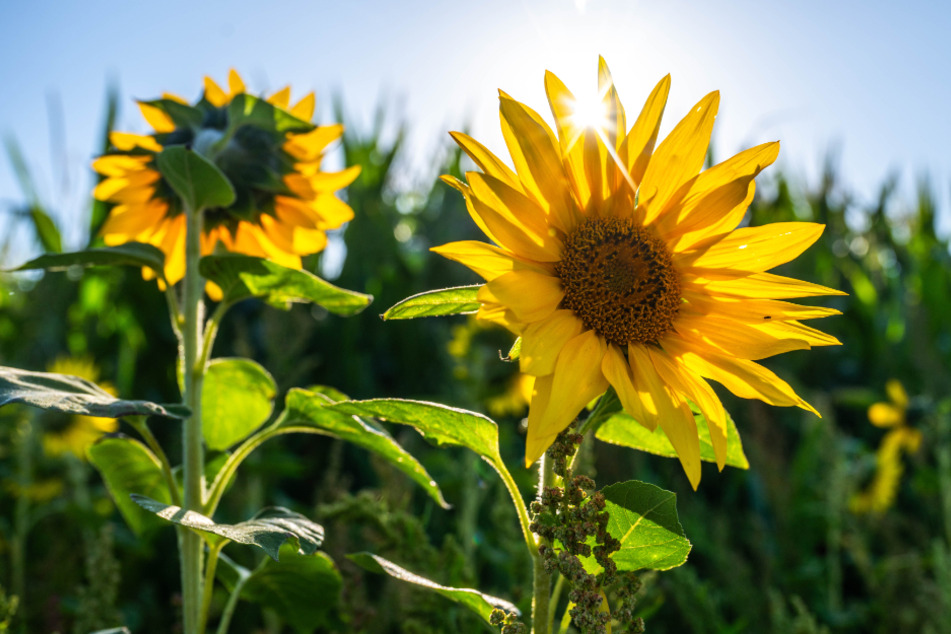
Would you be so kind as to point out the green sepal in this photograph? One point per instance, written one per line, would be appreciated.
(243, 276)
(247, 109)
(196, 180)
(480, 603)
(458, 300)
(74, 395)
(182, 115)
(268, 529)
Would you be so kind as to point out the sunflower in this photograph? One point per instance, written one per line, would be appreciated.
(78, 432)
(269, 151)
(620, 264)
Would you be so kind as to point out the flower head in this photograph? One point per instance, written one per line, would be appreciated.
(620, 264)
(78, 431)
(269, 151)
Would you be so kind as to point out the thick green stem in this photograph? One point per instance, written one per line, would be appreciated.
(210, 568)
(193, 460)
(541, 586)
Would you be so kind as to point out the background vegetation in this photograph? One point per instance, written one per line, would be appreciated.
(782, 547)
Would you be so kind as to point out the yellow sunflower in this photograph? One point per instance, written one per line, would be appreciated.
(620, 264)
(78, 431)
(269, 151)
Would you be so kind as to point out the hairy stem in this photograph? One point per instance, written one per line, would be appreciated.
(541, 586)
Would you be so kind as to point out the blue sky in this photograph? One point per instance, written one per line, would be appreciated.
(868, 78)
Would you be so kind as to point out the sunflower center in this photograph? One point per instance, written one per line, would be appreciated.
(620, 281)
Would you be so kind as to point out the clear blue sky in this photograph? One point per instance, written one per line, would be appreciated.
(870, 78)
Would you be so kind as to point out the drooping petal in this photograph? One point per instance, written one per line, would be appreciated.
(577, 380)
(636, 401)
(544, 340)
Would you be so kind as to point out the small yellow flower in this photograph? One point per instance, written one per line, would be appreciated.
(284, 205)
(880, 494)
(78, 432)
(620, 264)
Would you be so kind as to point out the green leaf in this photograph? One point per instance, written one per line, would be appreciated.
(303, 590)
(247, 109)
(128, 254)
(182, 115)
(242, 276)
(73, 395)
(269, 529)
(309, 408)
(481, 604)
(644, 519)
(439, 424)
(127, 466)
(459, 300)
(621, 429)
(46, 230)
(196, 180)
(236, 398)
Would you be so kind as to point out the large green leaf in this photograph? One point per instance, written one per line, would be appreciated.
(644, 519)
(269, 529)
(242, 276)
(303, 590)
(439, 424)
(448, 301)
(73, 395)
(481, 604)
(236, 398)
(622, 429)
(309, 408)
(197, 181)
(247, 109)
(128, 254)
(127, 466)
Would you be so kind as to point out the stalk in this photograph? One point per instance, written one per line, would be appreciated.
(193, 460)
(541, 586)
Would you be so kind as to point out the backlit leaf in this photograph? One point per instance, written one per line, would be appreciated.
(196, 180)
(236, 398)
(458, 300)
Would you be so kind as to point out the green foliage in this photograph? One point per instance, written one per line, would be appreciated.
(128, 254)
(196, 180)
(242, 277)
(310, 409)
(127, 466)
(236, 398)
(621, 429)
(74, 395)
(460, 300)
(481, 604)
(268, 529)
(248, 110)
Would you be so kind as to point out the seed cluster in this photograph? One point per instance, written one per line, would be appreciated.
(619, 280)
(568, 517)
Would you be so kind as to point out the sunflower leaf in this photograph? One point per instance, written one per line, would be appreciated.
(480, 603)
(644, 519)
(196, 180)
(310, 408)
(303, 590)
(243, 276)
(237, 397)
(458, 300)
(621, 429)
(128, 254)
(74, 395)
(127, 466)
(268, 530)
(247, 109)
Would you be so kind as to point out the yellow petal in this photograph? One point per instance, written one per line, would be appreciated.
(308, 146)
(510, 233)
(332, 211)
(486, 160)
(734, 338)
(673, 414)
(235, 83)
(543, 341)
(754, 248)
(885, 415)
(513, 216)
(159, 121)
(332, 181)
(678, 158)
(896, 392)
(576, 381)
(756, 286)
(794, 329)
(304, 109)
(532, 296)
(754, 310)
(281, 98)
(640, 141)
(532, 145)
(214, 94)
(637, 401)
(570, 135)
(488, 261)
(119, 164)
(124, 141)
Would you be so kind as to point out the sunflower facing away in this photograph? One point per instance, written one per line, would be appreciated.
(620, 264)
(269, 151)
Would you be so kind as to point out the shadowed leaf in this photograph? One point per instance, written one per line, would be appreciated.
(127, 466)
(197, 181)
(128, 254)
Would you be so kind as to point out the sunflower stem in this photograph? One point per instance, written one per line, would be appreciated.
(541, 586)
(193, 460)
